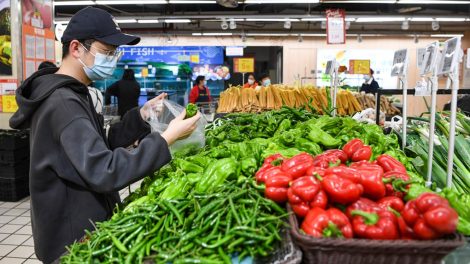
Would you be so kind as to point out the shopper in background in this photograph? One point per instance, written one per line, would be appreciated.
(265, 80)
(370, 85)
(127, 91)
(251, 83)
(76, 170)
(200, 92)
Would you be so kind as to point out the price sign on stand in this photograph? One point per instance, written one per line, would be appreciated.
(422, 88)
(420, 53)
(450, 56)
(400, 62)
(359, 66)
(430, 59)
(244, 65)
(330, 67)
(335, 26)
(9, 104)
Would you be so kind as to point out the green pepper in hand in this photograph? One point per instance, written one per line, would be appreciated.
(191, 110)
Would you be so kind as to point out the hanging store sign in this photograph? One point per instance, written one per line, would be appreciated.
(335, 26)
(244, 65)
(173, 54)
(359, 66)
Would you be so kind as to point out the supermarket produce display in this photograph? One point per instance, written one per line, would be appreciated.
(344, 180)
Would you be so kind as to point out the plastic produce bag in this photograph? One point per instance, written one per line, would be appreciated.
(166, 111)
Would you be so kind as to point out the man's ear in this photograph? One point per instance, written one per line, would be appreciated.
(75, 49)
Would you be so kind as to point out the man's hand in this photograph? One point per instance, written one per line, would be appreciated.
(180, 128)
(156, 105)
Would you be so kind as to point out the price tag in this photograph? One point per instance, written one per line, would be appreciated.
(422, 89)
(430, 59)
(244, 65)
(450, 56)
(9, 104)
(400, 63)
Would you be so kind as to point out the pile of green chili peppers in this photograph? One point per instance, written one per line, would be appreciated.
(207, 228)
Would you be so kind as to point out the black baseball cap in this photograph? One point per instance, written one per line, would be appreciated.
(95, 23)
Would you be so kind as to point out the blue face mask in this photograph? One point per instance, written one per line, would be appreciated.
(103, 67)
(267, 82)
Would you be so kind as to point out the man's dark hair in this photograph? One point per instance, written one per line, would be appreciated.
(46, 64)
(371, 72)
(128, 75)
(199, 79)
(265, 75)
(65, 46)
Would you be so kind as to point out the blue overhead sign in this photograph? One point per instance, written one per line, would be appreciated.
(174, 54)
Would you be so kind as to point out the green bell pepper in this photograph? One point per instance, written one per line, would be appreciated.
(187, 166)
(191, 110)
(249, 166)
(308, 146)
(285, 125)
(216, 173)
(319, 136)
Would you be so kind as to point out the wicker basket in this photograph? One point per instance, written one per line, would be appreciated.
(366, 251)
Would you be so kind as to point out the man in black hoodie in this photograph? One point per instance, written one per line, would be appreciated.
(76, 170)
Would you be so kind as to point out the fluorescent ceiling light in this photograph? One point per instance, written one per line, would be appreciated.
(177, 21)
(450, 19)
(197, 34)
(127, 2)
(362, 2)
(446, 35)
(147, 21)
(281, 2)
(272, 19)
(314, 19)
(422, 19)
(312, 35)
(433, 2)
(217, 34)
(379, 19)
(267, 34)
(126, 20)
(191, 2)
(73, 3)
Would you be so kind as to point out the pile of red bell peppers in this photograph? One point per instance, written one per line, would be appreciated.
(342, 193)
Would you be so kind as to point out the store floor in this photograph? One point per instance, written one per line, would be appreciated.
(16, 240)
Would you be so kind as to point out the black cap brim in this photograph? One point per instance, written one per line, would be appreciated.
(119, 39)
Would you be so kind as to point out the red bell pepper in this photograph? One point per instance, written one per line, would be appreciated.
(327, 223)
(272, 158)
(312, 171)
(341, 190)
(396, 183)
(430, 216)
(406, 232)
(330, 158)
(305, 193)
(375, 225)
(345, 172)
(298, 165)
(263, 174)
(388, 163)
(276, 187)
(352, 146)
(371, 181)
(392, 202)
(363, 153)
(363, 204)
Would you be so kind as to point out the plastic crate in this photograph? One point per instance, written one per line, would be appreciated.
(13, 139)
(18, 170)
(368, 251)
(12, 190)
(13, 157)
